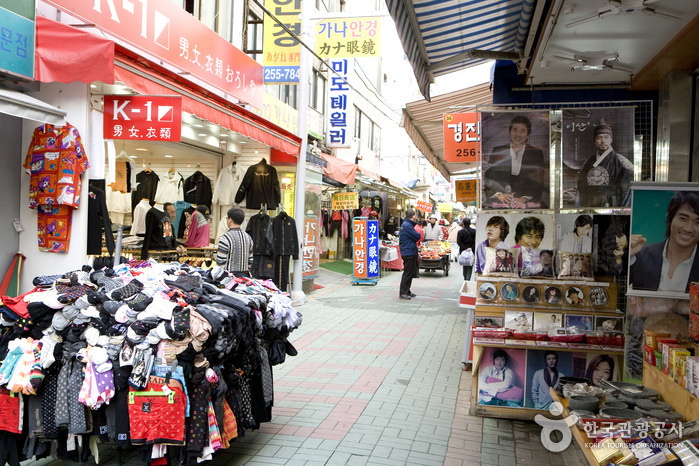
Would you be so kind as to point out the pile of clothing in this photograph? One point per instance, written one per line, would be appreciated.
(173, 359)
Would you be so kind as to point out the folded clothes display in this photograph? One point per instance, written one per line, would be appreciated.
(166, 357)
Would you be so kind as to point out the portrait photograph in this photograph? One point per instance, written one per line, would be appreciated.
(531, 294)
(596, 367)
(611, 247)
(487, 291)
(492, 232)
(574, 233)
(575, 296)
(509, 291)
(544, 369)
(598, 296)
(515, 160)
(609, 324)
(553, 295)
(490, 322)
(519, 320)
(546, 320)
(501, 377)
(598, 157)
(583, 323)
(664, 236)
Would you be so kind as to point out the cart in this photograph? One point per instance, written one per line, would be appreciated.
(442, 263)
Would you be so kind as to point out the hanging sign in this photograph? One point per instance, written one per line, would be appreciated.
(348, 37)
(339, 118)
(281, 52)
(365, 248)
(462, 135)
(17, 40)
(311, 246)
(423, 206)
(444, 207)
(143, 117)
(345, 201)
(466, 190)
(168, 32)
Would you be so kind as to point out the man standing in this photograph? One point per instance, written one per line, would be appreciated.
(466, 238)
(604, 180)
(432, 230)
(545, 378)
(235, 246)
(408, 239)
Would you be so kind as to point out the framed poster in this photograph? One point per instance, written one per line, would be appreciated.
(501, 377)
(544, 369)
(515, 160)
(611, 324)
(598, 157)
(519, 320)
(546, 320)
(491, 322)
(596, 367)
(583, 323)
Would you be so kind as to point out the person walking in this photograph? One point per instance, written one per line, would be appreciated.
(466, 238)
(407, 242)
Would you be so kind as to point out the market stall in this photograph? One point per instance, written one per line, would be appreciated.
(435, 255)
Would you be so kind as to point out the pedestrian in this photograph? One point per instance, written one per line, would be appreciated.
(408, 239)
(466, 238)
(235, 246)
(432, 230)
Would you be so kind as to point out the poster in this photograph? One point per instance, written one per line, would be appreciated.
(501, 377)
(557, 363)
(515, 160)
(598, 157)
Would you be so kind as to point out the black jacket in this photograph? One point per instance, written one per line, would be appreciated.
(159, 232)
(146, 187)
(260, 185)
(257, 229)
(283, 237)
(98, 217)
(466, 238)
(197, 189)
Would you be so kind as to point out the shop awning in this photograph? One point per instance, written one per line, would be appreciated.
(147, 80)
(423, 121)
(369, 173)
(440, 37)
(339, 170)
(23, 106)
(66, 54)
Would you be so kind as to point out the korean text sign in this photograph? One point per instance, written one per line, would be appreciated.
(348, 37)
(281, 52)
(339, 118)
(466, 190)
(161, 28)
(423, 206)
(311, 250)
(343, 201)
(143, 117)
(365, 248)
(462, 135)
(16, 44)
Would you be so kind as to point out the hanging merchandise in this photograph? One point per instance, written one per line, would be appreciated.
(170, 188)
(55, 161)
(185, 219)
(260, 185)
(227, 185)
(180, 207)
(97, 220)
(283, 237)
(146, 187)
(122, 176)
(159, 234)
(262, 254)
(138, 225)
(197, 189)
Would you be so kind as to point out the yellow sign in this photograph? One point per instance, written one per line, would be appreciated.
(444, 208)
(466, 190)
(348, 37)
(281, 52)
(287, 183)
(279, 113)
(343, 201)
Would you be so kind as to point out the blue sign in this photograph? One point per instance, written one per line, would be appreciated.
(16, 44)
(281, 74)
(372, 248)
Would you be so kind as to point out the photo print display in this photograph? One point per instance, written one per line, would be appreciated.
(501, 377)
(487, 291)
(546, 320)
(583, 323)
(575, 296)
(544, 370)
(598, 296)
(531, 294)
(519, 320)
(596, 367)
(611, 245)
(598, 157)
(509, 291)
(553, 295)
(609, 324)
(490, 322)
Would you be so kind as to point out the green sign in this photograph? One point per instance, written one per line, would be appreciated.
(16, 41)
(24, 8)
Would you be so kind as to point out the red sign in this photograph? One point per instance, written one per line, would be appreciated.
(311, 247)
(168, 32)
(423, 206)
(142, 117)
(462, 135)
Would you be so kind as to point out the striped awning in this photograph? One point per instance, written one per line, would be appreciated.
(440, 37)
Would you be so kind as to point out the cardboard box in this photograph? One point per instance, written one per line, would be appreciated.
(692, 375)
(680, 366)
(649, 355)
(694, 327)
(667, 361)
(651, 336)
(694, 296)
(675, 355)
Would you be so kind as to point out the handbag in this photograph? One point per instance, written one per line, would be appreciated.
(466, 258)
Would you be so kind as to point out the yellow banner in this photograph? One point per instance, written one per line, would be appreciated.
(279, 113)
(343, 201)
(466, 190)
(348, 37)
(445, 208)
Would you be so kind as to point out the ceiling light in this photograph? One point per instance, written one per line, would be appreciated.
(141, 149)
(202, 134)
(196, 125)
(168, 156)
(242, 142)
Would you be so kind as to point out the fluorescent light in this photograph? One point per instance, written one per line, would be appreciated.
(168, 156)
(202, 134)
(141, 149)
(198, 125)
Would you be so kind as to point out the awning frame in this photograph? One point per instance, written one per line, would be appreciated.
(21, 105)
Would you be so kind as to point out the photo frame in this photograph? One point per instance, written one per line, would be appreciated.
(553, 295)
(490, 322)
(531, 294)
(582, 322)
(598, 296)
(609, 324)
(509, 291)
(519, 320)
(547, 320)
(487, 291)
(575, 296)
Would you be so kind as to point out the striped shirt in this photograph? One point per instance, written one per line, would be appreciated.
(235, 251)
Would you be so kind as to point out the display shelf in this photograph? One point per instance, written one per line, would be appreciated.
(680, 399)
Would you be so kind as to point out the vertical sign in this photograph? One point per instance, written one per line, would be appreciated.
(143, 117)
(17, 42)
(340, 125)
(281, 52)
(365, 248)
(462, 134)
(348, 37)
(466, 190)
(311, 250)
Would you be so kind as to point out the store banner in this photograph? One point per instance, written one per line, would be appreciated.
(365, 248)
(17, 42)
(311, 247)
(466, 190)
(445, 207)
(277, 112)
(168, 32)
(423, 206)
(143, 117)
(341, 109)
(462, 136)
(281, 52)
(345, 201)
(348, 37)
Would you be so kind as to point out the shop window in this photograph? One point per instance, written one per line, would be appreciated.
(253, 35)
(366, 130)
(215, 14)
(317, 91)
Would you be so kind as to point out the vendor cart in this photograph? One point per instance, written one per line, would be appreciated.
(442, 263)
(435, 255)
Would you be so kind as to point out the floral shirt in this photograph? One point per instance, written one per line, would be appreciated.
(55, 161)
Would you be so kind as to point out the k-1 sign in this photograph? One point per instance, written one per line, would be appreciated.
(143, 117)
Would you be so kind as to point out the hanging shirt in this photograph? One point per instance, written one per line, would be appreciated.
(227, 184)
(170, 188)
(159, 233)
(138, 226)
(197, 189)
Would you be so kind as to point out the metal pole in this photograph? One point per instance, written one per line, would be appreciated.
(298, 297)
(117, 248)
